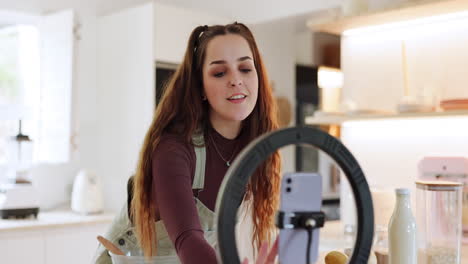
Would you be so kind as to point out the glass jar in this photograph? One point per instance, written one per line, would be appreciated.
(20, 154)
(439, 221)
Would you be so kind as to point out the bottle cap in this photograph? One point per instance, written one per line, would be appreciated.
(402, 191)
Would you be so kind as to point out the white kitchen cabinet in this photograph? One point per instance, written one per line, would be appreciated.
(22, 247)
(53, 238)
(72, 245)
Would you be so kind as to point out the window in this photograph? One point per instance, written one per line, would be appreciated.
(36, 85)
(19, 82)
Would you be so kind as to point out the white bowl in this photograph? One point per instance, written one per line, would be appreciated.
(120, 259)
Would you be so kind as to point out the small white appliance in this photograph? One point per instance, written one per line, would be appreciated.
(18, 197)
(87, 195)
(19, 200)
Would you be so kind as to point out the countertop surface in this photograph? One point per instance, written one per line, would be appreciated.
(332, 238)
(331, 235)
(56, 218)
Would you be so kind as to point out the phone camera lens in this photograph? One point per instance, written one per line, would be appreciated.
(289, 180)
(288, 189)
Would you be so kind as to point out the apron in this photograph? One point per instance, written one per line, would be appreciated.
(122, 234)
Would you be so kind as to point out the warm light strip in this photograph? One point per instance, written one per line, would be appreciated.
(407, 24)
(393, 127)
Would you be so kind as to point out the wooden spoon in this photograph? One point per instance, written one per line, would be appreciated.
(382, 257)
(110, 246)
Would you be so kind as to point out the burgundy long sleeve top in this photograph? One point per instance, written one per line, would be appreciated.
(173, 172)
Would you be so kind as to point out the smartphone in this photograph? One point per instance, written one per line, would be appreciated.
(300, 192)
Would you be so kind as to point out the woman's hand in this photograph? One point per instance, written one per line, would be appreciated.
(265, 257)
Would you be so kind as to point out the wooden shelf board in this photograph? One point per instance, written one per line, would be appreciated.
(339, 119)
(430, 8)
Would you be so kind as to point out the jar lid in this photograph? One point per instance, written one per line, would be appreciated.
(439, 185)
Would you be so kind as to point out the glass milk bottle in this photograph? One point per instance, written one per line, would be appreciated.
(402, 247)
(439, 217)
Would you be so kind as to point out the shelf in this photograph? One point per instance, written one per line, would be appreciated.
(339, 119)
(427, 9)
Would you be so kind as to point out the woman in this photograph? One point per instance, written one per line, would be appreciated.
(220, 92)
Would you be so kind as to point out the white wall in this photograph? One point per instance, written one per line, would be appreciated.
(276, 44)
(125, 78)
(254, 12)
(304, 48)
(173, 26)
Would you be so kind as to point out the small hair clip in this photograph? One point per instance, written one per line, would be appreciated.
(203, 29)
(197, 41)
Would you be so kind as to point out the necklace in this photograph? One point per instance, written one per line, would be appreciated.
(228, 162)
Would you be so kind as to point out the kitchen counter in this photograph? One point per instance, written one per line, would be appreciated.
(56, 218)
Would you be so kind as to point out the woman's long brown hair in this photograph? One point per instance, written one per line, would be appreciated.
(182, 110)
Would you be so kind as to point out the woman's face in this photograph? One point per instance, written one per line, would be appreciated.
(230, 79)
